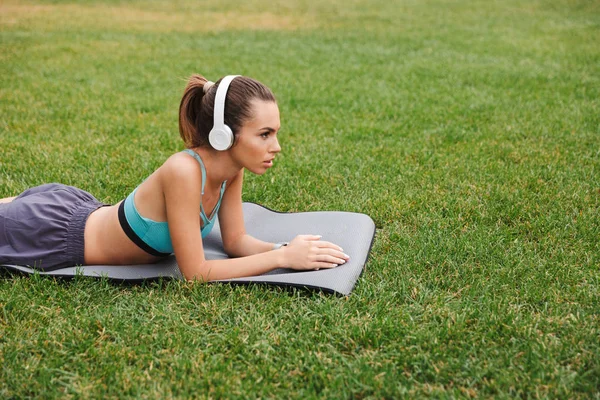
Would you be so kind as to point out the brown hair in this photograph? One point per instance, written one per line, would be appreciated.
(197, 108)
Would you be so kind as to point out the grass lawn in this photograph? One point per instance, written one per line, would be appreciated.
(468, 130)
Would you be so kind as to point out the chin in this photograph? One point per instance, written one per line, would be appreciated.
(257, 171)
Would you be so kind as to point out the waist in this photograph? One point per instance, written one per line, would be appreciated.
(107, 244)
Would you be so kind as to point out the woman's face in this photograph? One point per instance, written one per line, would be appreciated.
(256, 144)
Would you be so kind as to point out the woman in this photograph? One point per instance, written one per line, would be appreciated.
(227, 127)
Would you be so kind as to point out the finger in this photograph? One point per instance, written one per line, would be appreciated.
(334, 253)
(331, 259)
(310, 237)
(324, 244)
(323, 265)
(313, 237)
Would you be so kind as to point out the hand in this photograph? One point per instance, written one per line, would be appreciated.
(308, 252)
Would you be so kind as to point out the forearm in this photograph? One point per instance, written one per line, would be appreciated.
(256, 264)
(247, 245)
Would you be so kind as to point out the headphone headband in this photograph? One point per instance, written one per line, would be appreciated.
(219, 111)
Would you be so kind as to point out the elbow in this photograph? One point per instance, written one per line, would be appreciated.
(232, 246)
(230, 250)
(228, 247)
(198, 273)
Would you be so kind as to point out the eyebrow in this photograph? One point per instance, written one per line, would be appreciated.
(267, 128)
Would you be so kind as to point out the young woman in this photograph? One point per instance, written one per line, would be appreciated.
(54, 226)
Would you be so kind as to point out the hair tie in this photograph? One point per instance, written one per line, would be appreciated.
(207, 86)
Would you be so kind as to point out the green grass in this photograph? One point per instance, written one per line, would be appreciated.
(468, 130)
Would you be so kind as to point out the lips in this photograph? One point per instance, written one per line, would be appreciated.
(268, 163)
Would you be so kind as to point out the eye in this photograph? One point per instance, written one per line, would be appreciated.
(265, 135)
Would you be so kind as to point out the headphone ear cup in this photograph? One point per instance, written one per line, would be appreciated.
(221, 138)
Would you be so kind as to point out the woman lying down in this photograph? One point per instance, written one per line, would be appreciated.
(227, 126)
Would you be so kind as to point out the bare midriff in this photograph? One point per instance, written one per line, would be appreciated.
(106, 242)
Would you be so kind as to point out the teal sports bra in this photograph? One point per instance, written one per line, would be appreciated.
(152, 236)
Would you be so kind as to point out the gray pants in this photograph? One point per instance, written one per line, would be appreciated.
(43, 227)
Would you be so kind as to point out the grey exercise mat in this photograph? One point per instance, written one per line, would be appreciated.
(352, 231)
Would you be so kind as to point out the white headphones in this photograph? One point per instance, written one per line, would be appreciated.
(221, 135)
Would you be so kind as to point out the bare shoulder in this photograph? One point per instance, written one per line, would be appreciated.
(181, 171)
(181, 166)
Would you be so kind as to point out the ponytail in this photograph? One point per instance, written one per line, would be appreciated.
(189, 110)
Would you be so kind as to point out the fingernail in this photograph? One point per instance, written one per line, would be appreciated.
(347, 256)
(319, 236)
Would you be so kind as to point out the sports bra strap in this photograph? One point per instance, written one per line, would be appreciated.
(205, 219)
(197, 157)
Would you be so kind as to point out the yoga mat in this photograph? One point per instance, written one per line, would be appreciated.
(354, 232)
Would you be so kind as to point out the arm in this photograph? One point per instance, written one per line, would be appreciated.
(181, 186)
(236, 241)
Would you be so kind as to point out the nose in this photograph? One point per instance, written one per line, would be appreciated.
(275, 147)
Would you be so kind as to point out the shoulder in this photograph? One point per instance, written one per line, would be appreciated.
(181, 165)
(181, 169)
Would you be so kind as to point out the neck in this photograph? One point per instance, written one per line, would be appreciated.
(219, 165)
